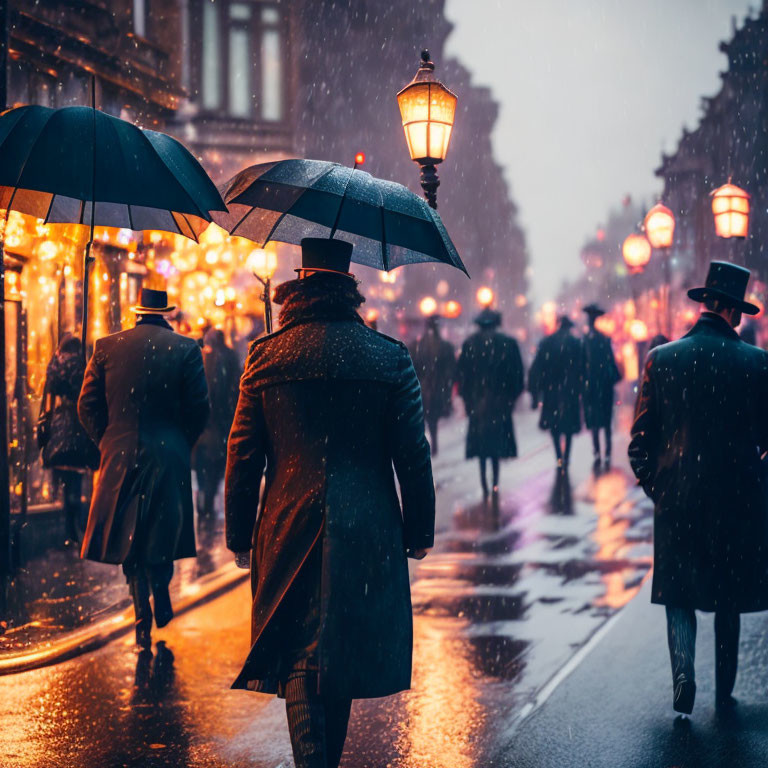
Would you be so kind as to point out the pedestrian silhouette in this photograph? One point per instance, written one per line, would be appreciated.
(490, 378)
(328, 405)
(600, 376)
(554, 381)
(145, 402)
(701, 424)
(435, 362)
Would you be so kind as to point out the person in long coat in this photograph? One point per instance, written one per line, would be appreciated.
(554, 381)
(222, 372)
(434, 359)
(328, 406)
(600, 376)
(144, 402)
(490, 378)
(701, 425)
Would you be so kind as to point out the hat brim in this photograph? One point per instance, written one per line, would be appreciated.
(702, 294)
(139, 310)
(593, 312)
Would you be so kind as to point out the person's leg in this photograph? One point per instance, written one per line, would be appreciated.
(306, 720)
(608, 446)
(337, 713)
(71, 484)
(727, 629)
(567, 450)
(138, 585)
(160, 578)
(483, 477)
(558, 449)
(681, 638)
(495, 469)
(210, 489)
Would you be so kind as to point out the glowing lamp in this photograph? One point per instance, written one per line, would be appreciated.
(484, 296)
(452, 309)
(521, 300)
(372, 315)
(638, 330)
(660, 226)
(359, 158)
(606, 324)
(427, 109)
(428, 306)
(636, 251)
(730, 206)
(262, 262)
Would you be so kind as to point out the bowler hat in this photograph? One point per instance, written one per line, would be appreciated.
(593, 310)
(152, 302)
(488, 318)
(726, 283)
(565, 322)
(320, 254)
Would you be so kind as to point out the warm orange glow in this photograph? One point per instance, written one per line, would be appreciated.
(372, 315)
(428, 306)
(263, 261)
(660, 226)
(521, 300)
(638, 330)
(452, 309)
(427, 109)
(759, 304)
(636, 251)
(606, 324)
(484, 296)
(730, 206)
(360, 158)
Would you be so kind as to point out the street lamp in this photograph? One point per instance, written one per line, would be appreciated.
(452, 309)
(263, 262)
(428, 306)
(427, 109)
(484, 296)
(730, 207)
(659, 227)
(636, 251)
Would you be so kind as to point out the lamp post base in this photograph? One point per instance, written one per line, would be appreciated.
(430, 183)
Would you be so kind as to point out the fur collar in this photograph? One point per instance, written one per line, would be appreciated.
(318, 297)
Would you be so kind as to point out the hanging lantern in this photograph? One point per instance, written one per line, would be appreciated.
(730, 206)
(636, 251)
(660, 226)
(484, 296)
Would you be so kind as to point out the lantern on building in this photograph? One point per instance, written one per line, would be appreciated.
(484, 296)
(636, 251)
(428, 306)
(427, 109)
(730, 207)
(660, 226)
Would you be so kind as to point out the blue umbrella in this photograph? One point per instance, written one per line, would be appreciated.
(291, 199)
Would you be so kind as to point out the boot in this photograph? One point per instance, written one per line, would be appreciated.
(139, 589)
(161, 578)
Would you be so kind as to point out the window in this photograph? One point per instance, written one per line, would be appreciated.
(140, 13)
(241, 68)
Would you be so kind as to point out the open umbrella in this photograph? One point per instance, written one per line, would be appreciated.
(79, 165)
(291, 199)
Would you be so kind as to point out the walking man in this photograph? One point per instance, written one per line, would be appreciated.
(601, 374)
(144, 402)
(554, 380)
(328, 406)
(435, 362)
(490, 377)
(701, 425)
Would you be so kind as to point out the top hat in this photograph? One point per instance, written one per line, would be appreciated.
(152, 302)
(319, 254)
(593, 310)
(564, 322)
(488, 318)
(726, 283)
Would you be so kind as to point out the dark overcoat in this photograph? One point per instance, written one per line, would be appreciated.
(145, 402)
(328, 406)
(555, 380)
(701, 424)
(435, 362)
(601, 374)
(490, 377)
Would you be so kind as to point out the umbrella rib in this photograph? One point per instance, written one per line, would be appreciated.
(130, 217)
(341, 205)
(191, 228)
(50, 208)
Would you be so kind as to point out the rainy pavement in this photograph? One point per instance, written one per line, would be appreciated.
(506, 598)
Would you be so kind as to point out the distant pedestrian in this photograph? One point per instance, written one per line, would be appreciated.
(657, 341)
(145, 401)
(490, 378)
(66, 448)
(434, 359)
(554, 381)
(328, 406)
(600, 376)
(701, 425)
(222, 372)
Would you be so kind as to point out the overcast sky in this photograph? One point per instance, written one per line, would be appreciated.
(591, 91)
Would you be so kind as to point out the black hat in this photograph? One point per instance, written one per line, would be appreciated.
(152, 302)
(320, 254)
(726, 283)
(593, 310)
(564, 322)
(488, 318)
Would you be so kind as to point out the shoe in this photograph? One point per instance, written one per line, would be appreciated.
(725, 703)
(596, 465)
(163, 611)
(685, 693)
(143, 638)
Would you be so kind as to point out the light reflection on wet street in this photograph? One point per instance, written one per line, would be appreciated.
(505, 599)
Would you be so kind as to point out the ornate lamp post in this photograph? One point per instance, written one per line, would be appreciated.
(263, 262)
(427, 109)
(660, 230)
(731, 208)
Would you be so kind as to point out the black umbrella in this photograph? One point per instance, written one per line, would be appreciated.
(291, 199)
(81, 166)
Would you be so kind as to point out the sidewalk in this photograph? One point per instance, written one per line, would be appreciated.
(615, 709)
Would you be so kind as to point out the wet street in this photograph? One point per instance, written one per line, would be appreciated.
(504, 601)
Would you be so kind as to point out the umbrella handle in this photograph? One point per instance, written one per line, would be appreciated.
(87, 261)
(266, 297)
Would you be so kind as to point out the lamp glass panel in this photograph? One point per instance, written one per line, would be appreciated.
(416, 135)
(414, 103)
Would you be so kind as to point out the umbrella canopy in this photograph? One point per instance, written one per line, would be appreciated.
(292, 199)
(55, 163)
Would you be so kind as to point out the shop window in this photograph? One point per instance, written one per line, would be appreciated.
(211, 75)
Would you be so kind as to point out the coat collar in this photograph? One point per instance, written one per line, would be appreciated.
(158, 320)
(711, 324)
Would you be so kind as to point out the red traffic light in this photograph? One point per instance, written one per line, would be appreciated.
(359, 158)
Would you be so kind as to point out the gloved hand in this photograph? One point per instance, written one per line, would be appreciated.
(243, 560)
